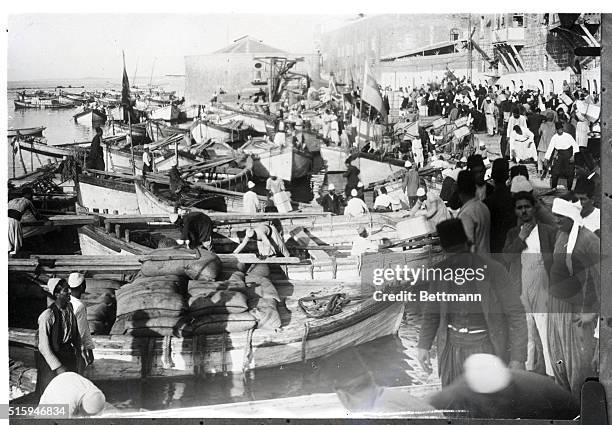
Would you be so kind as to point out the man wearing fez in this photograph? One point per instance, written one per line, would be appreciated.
(492, 323)
(59, 342)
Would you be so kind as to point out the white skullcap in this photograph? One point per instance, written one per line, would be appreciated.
(75, 279)
(360, 184)
(199, 175)
(420, 192)
(520, 184)
(354, 192)
(93, 402)
(486, 162)
(566, 209)
(407, 164)
(486, 373)
(173, 218)
(482, 144)
(463, 159)
(250, 184)
(331, 186)
(52, 283)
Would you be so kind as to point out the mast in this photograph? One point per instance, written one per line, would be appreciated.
(129, 114)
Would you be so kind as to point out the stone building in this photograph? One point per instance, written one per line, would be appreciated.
(345, 48)
(235, 68)
(512, 49)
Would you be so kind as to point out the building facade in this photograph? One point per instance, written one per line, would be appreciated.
(345, 48)
(513, 49)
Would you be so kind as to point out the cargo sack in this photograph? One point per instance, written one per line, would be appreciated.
(208, 267)
(219, 302)
(220, 323)
(265, 312)
(141, 279)
(151, 327)
(258, 270)
(259, 286)
(101, 285)
(152, 286)
(197, 288)
(98, 298)
(97, 327)
(171, 304)
(99, 312)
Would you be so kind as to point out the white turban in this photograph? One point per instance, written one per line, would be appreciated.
(486, 373)
(520, 184)
(570, 210)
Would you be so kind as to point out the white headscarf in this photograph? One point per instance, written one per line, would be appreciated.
(570, 210)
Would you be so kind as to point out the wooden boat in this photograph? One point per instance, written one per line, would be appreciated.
(127, 357)
(165, 113)
(29, 131)
(373, 168)
(334, 157)
(37, 103)
(286, 162)
(206, 198)
(261, 123)
(19, 104)
(311, 406)
(139, 131)
(90, 117)
(99, 193)
(203, 131)
(158, 130)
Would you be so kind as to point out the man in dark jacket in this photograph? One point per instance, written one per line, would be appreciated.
(59, 342)
(493, 323)
(500, 204)
(330, 201)
(196, 229)
(529, 253)
(95, 159)
(352, 177)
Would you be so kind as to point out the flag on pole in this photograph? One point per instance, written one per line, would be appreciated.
(371, 94)
(125, 86)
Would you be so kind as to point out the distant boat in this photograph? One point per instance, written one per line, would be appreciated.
(90, 117)
(30, 131)
(166, 113)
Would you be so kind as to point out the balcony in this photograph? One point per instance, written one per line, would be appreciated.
(515, 36)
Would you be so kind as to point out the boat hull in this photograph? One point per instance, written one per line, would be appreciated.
(202, 132)
(126, 357)
(287, 163)
(31, 131)
(166, 113)
(334, 158)
(99, 194)
(373, 170)
(90, 118)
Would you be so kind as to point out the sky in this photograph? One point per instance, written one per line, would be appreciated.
(51, 46)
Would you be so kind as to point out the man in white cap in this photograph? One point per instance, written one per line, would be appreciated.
(330, 201)
(355, 207)
(78, 286)
(488, 389)
(80, 394)
(250, 200)
(383, 202)
(59, 341)
(575, 298)
(361, 244)
(489, 109)
(431, 207)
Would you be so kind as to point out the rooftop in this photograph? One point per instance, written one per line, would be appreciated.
(248, 44)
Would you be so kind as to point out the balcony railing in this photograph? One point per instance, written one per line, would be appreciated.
(510, 35)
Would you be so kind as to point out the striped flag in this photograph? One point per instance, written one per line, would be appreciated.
(371, 94)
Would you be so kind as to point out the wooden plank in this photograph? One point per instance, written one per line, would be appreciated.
(217, 217)
(62, 220)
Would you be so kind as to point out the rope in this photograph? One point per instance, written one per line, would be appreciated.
(304, 339)
(166, 358)
(223, 365)
(248, 350)
(329, 305)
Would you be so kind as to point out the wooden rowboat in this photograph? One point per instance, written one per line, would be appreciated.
(29, 131)
(302, 338)
(90, 117)
(287, 162)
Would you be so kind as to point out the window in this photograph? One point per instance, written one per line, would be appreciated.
(503, 21)
(545, 62)
(518, 20)
(552, 86)
(454, 34)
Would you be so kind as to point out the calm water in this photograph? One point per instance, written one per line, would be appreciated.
(387, 361)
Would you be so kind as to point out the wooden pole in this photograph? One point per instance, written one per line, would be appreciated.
(130, 127)
(368, 126)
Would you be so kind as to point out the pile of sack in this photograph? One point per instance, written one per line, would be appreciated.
(182, 297)
(101, 304)
(153, 304)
